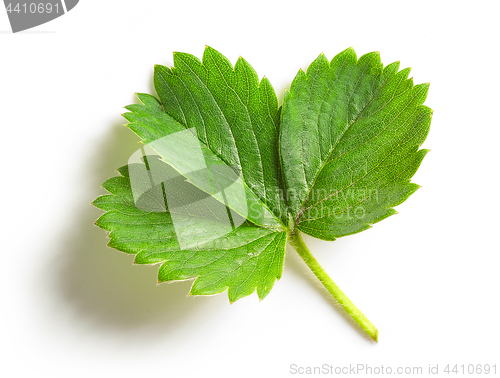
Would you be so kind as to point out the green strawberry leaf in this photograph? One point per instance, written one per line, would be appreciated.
(226, 177)
(350, 136)
(235, 117)
(249, 258)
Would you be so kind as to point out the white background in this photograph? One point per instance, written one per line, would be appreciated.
(427, 277)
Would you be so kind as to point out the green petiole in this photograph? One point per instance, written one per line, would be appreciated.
(355, 313)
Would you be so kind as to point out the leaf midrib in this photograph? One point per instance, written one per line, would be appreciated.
(261, 163)
(332, 150)
(373, 168)
(227, 123)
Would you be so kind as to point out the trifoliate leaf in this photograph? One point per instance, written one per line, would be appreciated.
(226, 177)
(350, 133)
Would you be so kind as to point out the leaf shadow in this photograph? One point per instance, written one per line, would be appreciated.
(298, 268)
(102, 285)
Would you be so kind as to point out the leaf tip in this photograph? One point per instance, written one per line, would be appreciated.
(350, 50)
(262, 295)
